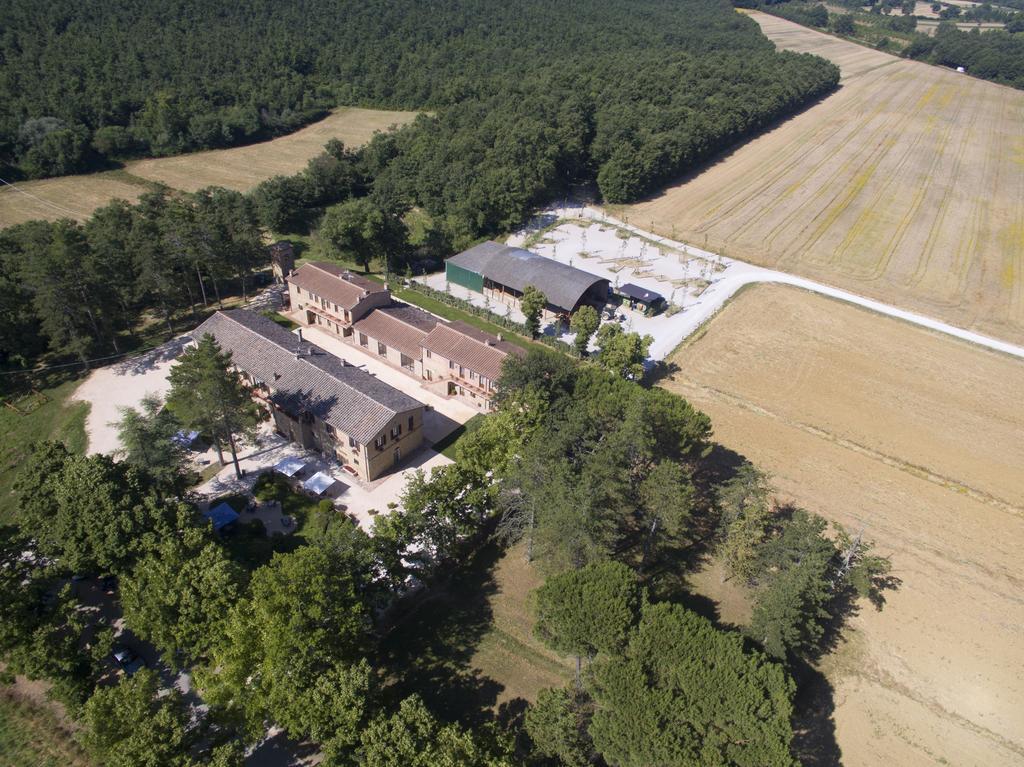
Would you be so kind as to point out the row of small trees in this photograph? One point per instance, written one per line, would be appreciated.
(82, 289)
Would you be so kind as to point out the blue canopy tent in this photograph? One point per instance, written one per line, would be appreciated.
(221, 515)
(185, 438)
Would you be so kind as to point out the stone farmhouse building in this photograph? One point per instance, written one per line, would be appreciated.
(456, 359)
(333, 298)
(318, 401)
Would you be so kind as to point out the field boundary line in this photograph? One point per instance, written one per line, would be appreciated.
(915, 470)
(743, 273)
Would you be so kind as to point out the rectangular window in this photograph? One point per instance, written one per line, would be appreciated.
(428, 353)
(396, 431)
(430, 376)
(353, 444)
(382, 350)
(363, 340)
(411, 421)
(380, 441)
(484, 383)
(451, 364)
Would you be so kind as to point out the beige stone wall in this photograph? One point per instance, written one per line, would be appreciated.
(380, 462)
(440, 370)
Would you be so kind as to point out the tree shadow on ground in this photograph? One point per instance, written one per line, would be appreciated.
(430, 649)
(814, 726)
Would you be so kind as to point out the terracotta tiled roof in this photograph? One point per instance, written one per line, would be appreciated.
(337, 285)
(470, 347)
(401, 327)
(302, 377)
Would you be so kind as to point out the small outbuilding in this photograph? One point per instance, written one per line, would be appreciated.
(282, 260)
(638, 297)
(502, 273)
(221, 516)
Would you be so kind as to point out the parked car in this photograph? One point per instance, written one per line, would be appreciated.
(128, 660)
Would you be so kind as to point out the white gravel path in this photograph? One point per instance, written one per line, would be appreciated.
(124, 384)
(566, 241)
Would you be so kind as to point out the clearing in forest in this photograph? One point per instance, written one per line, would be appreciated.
(873, 422)
(239, 168)
(905, 185)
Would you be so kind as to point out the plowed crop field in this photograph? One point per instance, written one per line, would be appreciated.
(905, 185)
(916, 437)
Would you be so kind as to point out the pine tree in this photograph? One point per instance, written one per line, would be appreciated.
(208, 395)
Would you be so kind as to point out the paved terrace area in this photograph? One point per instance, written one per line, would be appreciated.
(358, 497)
(447, 407)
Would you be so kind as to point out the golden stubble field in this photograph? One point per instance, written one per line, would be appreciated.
(917, 436)
(906, 185)
(239, 168)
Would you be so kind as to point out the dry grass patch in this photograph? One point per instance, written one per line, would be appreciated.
(906, 185)
(870, 421)
(32, 736)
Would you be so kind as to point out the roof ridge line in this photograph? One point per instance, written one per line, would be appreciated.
(299, 357)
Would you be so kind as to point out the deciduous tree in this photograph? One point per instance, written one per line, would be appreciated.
(622, 353)
(584, 323)
(532, 303)
(295, 644)
(413, 737)
(177, 597)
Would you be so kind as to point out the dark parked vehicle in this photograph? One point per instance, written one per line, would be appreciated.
(128, 660)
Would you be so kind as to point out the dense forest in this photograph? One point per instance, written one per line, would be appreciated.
(525, 97)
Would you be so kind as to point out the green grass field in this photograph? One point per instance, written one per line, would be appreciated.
(31, 736)
(49, 416)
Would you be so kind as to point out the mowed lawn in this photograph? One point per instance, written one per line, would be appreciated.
(914, 438)
(31, 736)
(905, 185)
(239, 168)
(46, 416)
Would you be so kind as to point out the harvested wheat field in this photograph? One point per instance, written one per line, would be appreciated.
(870, 421)
(905, 185)
(65, 197)
(238, 168)
(244, 167)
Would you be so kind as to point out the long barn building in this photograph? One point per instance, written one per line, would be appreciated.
(502, 273)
